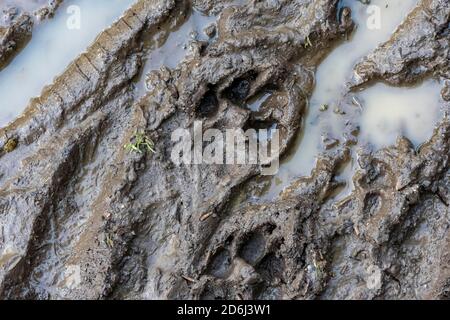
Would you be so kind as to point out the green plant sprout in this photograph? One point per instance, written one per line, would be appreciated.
(140, 143)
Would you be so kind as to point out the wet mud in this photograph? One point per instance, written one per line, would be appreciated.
(369, 221)
(17, 19)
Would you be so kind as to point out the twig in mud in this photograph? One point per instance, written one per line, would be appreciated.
(205, 216)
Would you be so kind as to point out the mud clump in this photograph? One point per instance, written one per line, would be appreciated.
(135, 225)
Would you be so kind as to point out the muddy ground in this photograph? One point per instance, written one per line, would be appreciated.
(139, 226)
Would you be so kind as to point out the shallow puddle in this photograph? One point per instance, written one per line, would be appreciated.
(54, 45)
(383, 113)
